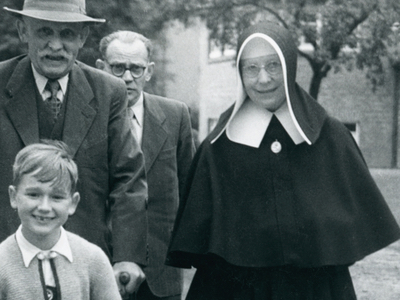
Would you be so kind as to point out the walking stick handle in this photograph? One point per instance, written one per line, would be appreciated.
(124, 279)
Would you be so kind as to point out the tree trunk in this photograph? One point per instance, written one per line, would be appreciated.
(315, 85)
(395, 120)
(320, 71)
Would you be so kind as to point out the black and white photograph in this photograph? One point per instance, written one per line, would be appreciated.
(199, 149)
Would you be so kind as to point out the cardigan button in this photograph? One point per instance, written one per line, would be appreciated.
(276, 147)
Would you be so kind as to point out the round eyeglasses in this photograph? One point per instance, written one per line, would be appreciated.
(273, 68)
(120, 69)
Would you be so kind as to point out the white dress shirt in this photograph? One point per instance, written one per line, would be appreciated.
(41, 82)
(29, 252)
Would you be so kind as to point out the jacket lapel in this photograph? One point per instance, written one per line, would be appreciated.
(22, 108)
(79, 114)
(154, 133)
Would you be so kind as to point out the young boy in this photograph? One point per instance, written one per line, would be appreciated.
(42, 260)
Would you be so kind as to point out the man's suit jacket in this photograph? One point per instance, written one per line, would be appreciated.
(110, 163)
(168, 149)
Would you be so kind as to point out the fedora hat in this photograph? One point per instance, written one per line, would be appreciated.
(55, 10)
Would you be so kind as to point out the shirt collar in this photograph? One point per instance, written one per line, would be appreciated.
(250, 123)
(138, 110)
(29, 251)
(41, 81)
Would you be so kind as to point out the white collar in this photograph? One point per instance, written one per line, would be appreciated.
(138, 110)
(251, 121)
(29, 251)
(41, 81)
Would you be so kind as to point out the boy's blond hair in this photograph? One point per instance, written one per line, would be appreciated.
(50, 160)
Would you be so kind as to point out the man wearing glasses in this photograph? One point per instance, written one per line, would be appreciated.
(163, 128)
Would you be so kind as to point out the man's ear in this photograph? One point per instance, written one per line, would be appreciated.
(76, 197)
(100, 64)
(22, 30)
(83, 35)
(12, 192)
(150, 70)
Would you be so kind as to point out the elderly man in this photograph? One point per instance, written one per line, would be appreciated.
(48, 94)
(163, 127)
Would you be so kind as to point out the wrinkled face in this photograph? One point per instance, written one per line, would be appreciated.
(53, 46)
(43, 208)
(262, 75)
(130, 55)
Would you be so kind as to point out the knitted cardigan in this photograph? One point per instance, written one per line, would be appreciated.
(89, 276)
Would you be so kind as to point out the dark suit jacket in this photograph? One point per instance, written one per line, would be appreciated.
(110, 163)
(168, 149)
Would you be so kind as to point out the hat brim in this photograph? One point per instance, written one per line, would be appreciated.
(55, 16)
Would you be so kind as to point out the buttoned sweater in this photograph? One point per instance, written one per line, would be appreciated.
(89, 276)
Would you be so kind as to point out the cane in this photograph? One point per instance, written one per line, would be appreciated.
(124, 279)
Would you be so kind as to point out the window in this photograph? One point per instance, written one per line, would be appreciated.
(218, 52)
(355, 131)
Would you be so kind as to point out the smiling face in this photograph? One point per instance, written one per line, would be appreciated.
(43, 208)
(53, 46)
(265, 89)
(130, 55)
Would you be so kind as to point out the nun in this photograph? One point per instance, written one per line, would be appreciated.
(279, 201)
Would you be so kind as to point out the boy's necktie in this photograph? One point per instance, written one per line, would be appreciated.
(50, 292)
(53, 102)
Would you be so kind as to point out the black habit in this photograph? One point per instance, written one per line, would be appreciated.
(292, 220)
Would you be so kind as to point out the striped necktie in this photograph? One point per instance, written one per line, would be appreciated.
(53, 102)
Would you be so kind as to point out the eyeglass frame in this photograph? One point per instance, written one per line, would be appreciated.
(263, 66)
(128, 68)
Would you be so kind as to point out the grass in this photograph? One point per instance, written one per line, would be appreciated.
(388, 180)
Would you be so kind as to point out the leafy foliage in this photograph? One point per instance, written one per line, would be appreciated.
(380, 38)
(10, 45)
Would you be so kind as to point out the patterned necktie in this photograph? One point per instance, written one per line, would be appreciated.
(51, 287)
(53, 102)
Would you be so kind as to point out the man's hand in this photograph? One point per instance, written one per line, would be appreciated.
(135, 273)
